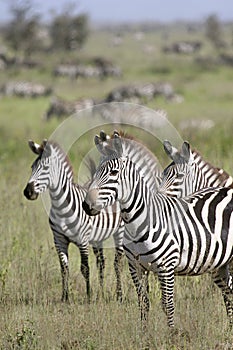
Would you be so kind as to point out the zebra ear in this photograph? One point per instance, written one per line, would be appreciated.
(171, 151)
(108, 147)
(103, 135)
(46, 146)
(116, 133)
(99, 144)
(186, 152)
(35, 147)
(167, 147)
(44, 143)
(117, 144)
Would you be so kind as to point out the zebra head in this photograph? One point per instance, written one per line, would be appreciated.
(105, 188)
(40, 176)
(178, 177)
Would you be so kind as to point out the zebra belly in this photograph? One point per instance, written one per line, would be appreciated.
(146, 255)
(199, 268)
(205, 257)
(133, 255)
(196, 258)
(77, 231)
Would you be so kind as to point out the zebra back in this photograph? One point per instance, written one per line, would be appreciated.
(217, 176)
(189, 172)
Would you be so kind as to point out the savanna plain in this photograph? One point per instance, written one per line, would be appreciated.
(32, 315)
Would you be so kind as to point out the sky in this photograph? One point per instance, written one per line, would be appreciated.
(102, 11)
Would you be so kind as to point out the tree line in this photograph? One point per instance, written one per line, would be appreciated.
(24, 32)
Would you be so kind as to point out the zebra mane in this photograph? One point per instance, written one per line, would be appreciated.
(219, 176)
(91, 166)
(122, 144)
(125, 135)
(89, 162)
(56, 146)
(126, 139)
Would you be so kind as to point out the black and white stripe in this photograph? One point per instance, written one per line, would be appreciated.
(167, 235)
(68, 221)
(189, 172)
(145, 161)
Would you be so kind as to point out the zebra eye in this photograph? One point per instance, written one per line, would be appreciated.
(114, 172)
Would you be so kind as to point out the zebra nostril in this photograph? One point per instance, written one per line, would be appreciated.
(88, 209)
(29, 192)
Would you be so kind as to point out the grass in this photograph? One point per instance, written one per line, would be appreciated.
(31, 314)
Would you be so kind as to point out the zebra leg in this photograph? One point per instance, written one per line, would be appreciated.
(224, 280)
(118, 268)
(166, 279)
(119, 251)
(138, 275)
(85, 268)
(100, 263)
(61, 244)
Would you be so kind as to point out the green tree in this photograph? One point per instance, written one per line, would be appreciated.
(214, 31)
(69, 31)
(21, 32)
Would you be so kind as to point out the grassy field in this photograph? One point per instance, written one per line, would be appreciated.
(31, 314)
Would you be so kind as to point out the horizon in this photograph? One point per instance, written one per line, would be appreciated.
(131, 12)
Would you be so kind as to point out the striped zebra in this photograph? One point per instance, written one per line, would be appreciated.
(145, 162)
(189, 172)
(68, 221)
(166, 235)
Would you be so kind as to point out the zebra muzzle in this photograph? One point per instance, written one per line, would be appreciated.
(29, 192)
(89, 204)
(88, 210)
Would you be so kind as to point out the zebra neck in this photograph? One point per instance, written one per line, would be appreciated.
(61, 174)
(63, 194)
(142, 212)
(134, 206)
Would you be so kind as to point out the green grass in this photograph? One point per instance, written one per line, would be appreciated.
(31, 314)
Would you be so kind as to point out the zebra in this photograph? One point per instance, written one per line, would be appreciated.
(163, 234)
(60, 108)
(68, 221)
(145, 92)
(189, 172)
(26, 89)
(145, 161)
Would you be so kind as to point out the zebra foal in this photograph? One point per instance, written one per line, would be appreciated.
(166, 235)
(68, 221)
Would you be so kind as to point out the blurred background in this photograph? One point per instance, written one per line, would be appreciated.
(58, 57)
